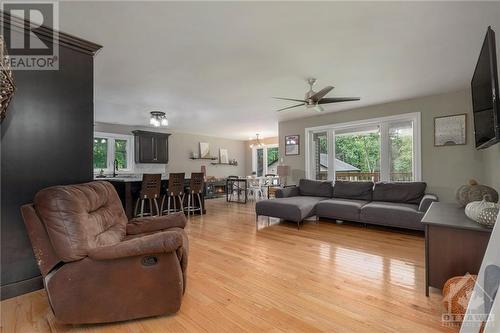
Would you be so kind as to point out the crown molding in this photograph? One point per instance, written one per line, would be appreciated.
(50, 34)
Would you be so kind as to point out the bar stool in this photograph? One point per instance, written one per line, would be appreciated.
(195, 188)
(175, 191)
(150, 190)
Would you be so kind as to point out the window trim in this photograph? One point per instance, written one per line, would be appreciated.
(383, 123)
(254, 157)
(111, 137)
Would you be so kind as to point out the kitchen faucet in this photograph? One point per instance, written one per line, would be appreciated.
(115, 167)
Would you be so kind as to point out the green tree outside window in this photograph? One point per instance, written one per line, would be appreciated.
(100, 152)
(272, 155)
(121, 153)
(361, 151)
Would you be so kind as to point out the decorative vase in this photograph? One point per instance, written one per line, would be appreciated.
(475, 192)
(474, 209)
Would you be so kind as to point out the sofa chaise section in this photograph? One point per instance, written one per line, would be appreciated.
(294, 209)
(296, 203)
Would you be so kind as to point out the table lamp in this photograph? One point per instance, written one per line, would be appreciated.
(283, 172)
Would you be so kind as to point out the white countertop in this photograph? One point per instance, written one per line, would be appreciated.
(126, 178)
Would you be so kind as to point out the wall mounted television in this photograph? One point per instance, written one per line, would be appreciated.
(485, 99)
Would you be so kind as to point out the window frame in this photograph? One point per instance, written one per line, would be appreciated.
(264, 159)
(384, 124)
(111, 137)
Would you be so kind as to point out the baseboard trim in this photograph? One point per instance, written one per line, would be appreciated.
(21, 287)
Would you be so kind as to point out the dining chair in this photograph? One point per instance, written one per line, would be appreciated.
(255, 189)
(150, 190)
(234, 188)
(175, 191)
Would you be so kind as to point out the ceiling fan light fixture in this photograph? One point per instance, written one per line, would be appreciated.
(313, 98)
(318, 108)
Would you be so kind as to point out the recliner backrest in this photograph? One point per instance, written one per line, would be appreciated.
(80, 217)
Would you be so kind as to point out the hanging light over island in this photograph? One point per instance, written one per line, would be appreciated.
(158, 118)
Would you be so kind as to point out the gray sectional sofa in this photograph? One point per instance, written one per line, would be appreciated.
(399, 205)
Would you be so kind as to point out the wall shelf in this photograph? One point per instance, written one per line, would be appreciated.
(204, 158)
(217, 163)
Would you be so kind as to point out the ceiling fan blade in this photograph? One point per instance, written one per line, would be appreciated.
(320, 94)
(291, 99)
(338, 99)
(290, 107)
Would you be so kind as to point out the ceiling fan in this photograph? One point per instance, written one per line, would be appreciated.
(315, 99)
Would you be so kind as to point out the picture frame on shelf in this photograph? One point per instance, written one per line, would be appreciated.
(204, 150)
(292, 145)
(223, 156)
(450, 130)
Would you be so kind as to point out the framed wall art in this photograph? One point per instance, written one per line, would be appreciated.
(292, 145)
(450, 130)
(223, 156)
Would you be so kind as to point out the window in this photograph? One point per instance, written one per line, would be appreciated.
(121, 153)
(320, 159)
(100, 153)
(357, 154)
(110, 147)
(265, 160)
(401, 151)
(382, 149)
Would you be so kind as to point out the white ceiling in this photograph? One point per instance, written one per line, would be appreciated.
(213, 67)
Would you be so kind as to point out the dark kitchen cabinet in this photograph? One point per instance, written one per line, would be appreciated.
(151, 147)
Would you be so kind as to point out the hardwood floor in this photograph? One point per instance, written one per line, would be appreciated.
(324, 277)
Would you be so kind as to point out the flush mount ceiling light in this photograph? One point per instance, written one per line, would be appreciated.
(158, 119)
(257, 142)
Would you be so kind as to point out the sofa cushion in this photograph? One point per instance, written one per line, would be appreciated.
(401, 215)
(316, 188)
(353, 190)
(408, 192)
(293, 208)
(343, 209)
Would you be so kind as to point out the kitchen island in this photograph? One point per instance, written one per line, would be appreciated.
(129, 187)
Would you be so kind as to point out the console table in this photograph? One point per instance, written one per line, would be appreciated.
(454, 244)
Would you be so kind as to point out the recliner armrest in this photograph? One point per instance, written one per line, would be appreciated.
(142, 225)
(286, 192)
(426, 201)
(162, 242)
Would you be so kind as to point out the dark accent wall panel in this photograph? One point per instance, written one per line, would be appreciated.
(46, 140)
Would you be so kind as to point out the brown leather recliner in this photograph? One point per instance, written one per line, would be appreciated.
(96, 266)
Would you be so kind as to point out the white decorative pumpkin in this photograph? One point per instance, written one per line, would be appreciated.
(473, 209)
(488, 216)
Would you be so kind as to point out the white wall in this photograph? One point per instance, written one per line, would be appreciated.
(181, 145)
